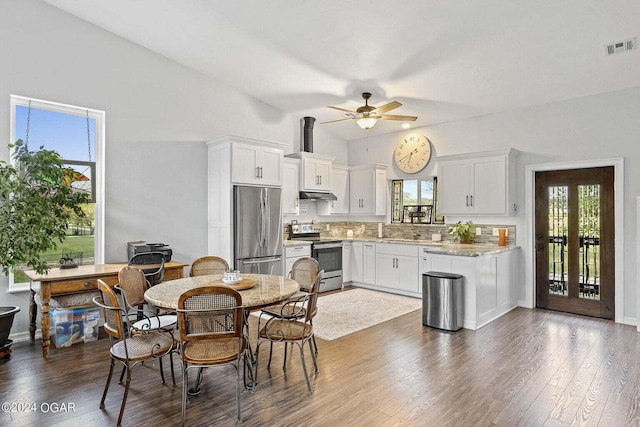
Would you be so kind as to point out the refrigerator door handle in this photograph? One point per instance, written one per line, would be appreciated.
(262, 261)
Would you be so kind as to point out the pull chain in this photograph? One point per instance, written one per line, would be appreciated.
(88, 137)
(26, 137)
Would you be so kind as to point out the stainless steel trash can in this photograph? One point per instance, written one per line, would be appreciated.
(442, 300)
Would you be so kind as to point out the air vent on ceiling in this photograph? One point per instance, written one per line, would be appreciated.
(621, 46)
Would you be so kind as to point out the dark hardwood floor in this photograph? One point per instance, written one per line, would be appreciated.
(530, 367)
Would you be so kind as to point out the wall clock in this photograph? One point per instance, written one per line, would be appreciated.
(412, 153)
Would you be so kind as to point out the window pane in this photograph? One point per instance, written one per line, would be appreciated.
(589, 223)
(410, 192)
(426, 192)
(558, 228)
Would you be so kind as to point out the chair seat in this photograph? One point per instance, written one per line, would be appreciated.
(286, 330)
(143, 346)
(212, 352)
(166, 321)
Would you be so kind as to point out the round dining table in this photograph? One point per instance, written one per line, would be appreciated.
(267, 290)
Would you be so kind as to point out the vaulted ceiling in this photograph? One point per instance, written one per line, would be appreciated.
(443, 60)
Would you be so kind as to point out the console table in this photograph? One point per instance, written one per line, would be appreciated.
(73, 280)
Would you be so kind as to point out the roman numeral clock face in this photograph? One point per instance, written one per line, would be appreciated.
(413, 152)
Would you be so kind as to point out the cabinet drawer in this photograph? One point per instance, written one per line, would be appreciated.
(72, 286)
(298, 251)
(172, 273)
(397, 249)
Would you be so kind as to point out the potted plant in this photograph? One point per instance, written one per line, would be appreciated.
(36, 205)
(462, 232)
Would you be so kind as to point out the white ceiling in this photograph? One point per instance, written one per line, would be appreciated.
(443, 60)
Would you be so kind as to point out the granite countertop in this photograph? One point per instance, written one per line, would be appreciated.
(296, 242)
(446, 248)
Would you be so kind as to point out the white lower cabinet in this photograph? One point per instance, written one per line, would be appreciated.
(347, 253)
(357, 260)
(369, 263)
(397, 267)
(489, 282)
(294, 253)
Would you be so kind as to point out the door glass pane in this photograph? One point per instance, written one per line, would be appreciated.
(558, 229)
(589, 232)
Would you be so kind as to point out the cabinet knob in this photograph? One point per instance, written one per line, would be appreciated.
(88, 285)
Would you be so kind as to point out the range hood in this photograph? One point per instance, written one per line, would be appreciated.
(314, 195)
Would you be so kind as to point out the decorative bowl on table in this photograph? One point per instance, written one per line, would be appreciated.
(231, 277)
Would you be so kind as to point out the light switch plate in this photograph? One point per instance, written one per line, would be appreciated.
(478, 231)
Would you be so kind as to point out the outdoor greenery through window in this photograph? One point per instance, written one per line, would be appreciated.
(414, 201)
(76, 134)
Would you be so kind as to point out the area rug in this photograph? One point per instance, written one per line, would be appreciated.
(347, 312)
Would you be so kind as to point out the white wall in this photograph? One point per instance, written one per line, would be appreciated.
(595, 127)
(158, 114)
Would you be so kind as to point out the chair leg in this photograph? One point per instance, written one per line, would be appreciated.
(126, 393)
(313, 356)
(161, 370)
(173, 376)
(106, 386)
(270, 354)
(284, 364)
(304, 367)
(315, 344)
(185, 387)
(238, 388)
(122, 374)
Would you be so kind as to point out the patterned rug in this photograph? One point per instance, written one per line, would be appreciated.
(347, 312)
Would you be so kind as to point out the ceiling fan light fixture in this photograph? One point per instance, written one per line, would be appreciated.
(367, 122)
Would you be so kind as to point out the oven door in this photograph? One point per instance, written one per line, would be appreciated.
(329, 257)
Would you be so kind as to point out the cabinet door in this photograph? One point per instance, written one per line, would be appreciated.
(290, 188)
(408, 274)
(347, 252)
(362, 192)
(386, 271)
(357, 261)
(317, 175)
(369, 263)
(489, 186)
(245, 164)
(453, 188)
(340, 187)
(270, 163)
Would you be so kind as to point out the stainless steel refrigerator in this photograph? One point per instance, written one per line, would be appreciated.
(257, 230)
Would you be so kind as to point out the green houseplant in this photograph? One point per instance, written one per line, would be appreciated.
(36, 205)
(462, 231)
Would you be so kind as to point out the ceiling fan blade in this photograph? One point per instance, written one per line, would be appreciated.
(339, 120)
(396, 117)
(340, 109)
(387, 107)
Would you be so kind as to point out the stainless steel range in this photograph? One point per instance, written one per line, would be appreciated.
(327, 251)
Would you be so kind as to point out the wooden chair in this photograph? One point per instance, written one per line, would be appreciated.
(305, 272)
(127, 350)
(210, 320)
(293, 325)
(151, 264)
(132, 285)
(208, 265)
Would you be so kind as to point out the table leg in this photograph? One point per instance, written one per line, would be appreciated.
(196, 390)
(249, 357)
(45, 296)
(33, 311)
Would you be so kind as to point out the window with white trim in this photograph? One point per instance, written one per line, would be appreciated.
(77, 134)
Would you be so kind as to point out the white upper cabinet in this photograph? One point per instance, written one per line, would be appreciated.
(368, 189)
(478, 184)
(291, 186)
(339, 187)
(315, 171)
(255, 163)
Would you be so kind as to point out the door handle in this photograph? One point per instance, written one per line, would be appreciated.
(467, 203)
(471, 198)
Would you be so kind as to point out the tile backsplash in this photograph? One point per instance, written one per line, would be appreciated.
(411, 231)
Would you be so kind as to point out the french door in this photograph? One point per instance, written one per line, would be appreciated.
(574, 238)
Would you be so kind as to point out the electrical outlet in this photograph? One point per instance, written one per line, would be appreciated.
(478, 231)
(495, 231)
(328, 227)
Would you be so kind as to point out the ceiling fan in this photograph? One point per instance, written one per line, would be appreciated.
(368, 115)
